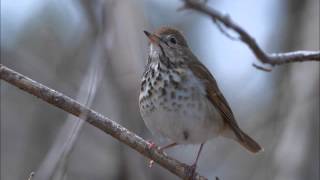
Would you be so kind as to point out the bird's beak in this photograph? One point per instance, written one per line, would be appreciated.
(152, 37)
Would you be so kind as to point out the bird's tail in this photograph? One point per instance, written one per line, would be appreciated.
(250, 144)
(246, 141)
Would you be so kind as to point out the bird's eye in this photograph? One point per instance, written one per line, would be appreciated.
(173, 40)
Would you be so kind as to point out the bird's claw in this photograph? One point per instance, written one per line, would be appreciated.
(191, 171)
(151, 162)
(151, 144)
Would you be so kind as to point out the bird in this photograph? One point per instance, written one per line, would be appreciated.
(180, 99)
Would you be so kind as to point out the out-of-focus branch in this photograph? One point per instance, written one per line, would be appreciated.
(97, 120)
(271, 59)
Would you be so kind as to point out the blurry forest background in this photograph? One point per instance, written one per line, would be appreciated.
(95, 50)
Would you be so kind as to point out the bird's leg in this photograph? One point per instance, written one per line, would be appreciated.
(192, 169)
(161, 149)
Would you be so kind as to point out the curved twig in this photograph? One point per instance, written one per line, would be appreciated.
(271, 59)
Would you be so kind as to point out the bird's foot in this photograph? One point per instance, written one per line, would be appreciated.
(191, 171)
(151, 145)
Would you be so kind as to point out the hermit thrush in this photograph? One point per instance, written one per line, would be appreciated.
(180, 99)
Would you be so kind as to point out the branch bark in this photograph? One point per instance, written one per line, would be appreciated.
(265, 58)
(97, 120)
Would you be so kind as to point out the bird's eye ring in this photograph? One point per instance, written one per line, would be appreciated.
(173, 40)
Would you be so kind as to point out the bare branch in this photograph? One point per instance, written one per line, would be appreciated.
(261, 68)
(223, 31)
(97, 120)
(271, 59)
(296, 56)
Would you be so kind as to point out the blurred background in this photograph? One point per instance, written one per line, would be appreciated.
(94, 51)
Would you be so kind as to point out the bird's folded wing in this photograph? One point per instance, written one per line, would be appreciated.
(215, 96)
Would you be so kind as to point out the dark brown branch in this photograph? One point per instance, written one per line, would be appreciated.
(97, 120)
(271, 59)
(261, 68)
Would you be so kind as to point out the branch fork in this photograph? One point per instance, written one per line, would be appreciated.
(273, 59)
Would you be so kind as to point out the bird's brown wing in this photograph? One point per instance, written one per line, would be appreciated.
(215, 96)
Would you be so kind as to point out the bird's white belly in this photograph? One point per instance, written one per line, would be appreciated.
(183, 115)
(190, 124)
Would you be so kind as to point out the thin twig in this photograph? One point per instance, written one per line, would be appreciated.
(224, 31)
(271, 59)
(97, 120)
(261, 68)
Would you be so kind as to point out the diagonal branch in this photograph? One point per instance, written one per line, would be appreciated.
(97, 120)
(271, 59)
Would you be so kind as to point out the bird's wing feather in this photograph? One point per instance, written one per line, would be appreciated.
(215, 96)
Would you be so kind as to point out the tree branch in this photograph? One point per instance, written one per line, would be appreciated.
(97, 120)
(271, 59)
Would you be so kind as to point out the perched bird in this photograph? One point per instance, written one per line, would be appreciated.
(180, 99)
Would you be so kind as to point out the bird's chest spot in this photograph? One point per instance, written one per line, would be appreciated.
(174, 91)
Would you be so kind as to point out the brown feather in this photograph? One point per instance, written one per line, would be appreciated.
(213, 92)
(215, 96)
(217, 99)
(165, 31)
